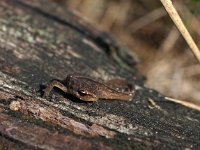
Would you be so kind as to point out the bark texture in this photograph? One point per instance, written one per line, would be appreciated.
(41, 41)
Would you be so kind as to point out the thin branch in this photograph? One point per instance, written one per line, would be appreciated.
(184, 103)
(170, 40)
(147, 19)
(179, 24)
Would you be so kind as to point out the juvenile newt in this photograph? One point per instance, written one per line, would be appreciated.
(87, 89)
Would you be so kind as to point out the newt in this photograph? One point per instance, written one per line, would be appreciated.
(87, 89)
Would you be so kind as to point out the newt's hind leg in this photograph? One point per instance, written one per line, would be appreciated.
(53, 84)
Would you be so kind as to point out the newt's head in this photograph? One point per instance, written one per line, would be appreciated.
(81, 87)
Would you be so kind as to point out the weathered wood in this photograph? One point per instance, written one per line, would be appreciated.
(43, 42)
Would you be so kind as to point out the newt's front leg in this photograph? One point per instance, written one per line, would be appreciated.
(53, 84)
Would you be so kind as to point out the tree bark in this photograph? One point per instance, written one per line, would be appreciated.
(41, 41)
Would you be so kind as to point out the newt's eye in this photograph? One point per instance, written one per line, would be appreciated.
(82, 92)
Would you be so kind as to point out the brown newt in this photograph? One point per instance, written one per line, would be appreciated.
(87, 89)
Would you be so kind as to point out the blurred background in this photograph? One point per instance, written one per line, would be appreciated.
(145, 27)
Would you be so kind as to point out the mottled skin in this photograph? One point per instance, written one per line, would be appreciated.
(87, 89)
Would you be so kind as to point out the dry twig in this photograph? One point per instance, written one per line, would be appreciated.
(179, 24)
(184, 103)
